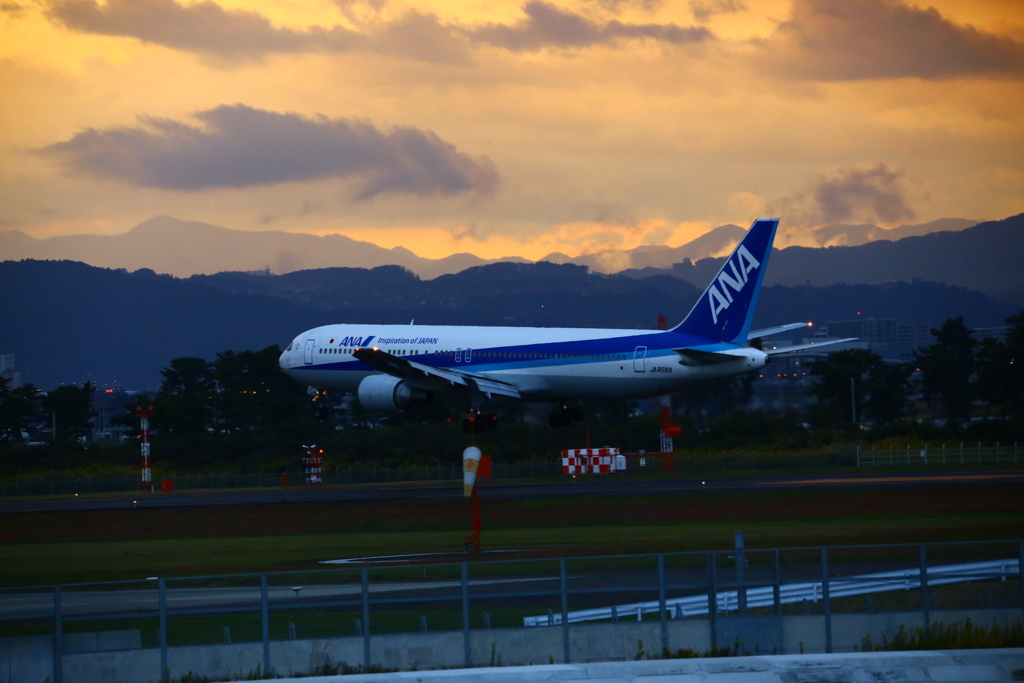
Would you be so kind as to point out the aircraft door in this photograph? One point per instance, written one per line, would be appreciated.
(307, 353)
(640, 359)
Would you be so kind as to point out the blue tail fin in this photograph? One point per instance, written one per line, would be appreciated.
(725, 310)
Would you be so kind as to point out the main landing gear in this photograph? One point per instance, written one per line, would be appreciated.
(321, 404)
(566, 416)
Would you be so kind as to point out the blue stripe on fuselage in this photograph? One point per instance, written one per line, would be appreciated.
(659, 344)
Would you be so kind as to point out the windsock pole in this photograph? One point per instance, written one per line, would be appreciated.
(470, 465)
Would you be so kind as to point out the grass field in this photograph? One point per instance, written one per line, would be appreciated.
(66, 547)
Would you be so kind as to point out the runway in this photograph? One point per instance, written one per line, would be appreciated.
(590, 486)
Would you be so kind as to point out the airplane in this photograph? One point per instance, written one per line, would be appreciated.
(396, 367)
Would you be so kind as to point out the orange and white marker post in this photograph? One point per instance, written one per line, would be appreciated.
(144, 411)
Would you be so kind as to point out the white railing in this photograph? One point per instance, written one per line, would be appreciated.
(764, 596)
(955, 454)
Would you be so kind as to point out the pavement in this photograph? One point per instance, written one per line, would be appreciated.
(946, 666)
(608, 485)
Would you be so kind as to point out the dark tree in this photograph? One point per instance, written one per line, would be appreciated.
(879, 388)
(1000, 368)
(186, 396)
(17, 410)
(946, 368)
(71, 406)
(887, 387)
(253, 392)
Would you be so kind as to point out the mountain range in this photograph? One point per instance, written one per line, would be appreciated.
(182, 248)
(984, 257)
(721, 240)
(69, 322)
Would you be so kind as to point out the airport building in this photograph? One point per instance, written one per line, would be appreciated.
(9, 371)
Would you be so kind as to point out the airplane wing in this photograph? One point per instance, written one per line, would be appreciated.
(430, 377)
(754, 334)
(802, 347)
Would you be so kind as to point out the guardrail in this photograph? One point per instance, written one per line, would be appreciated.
(957, 454)
(769, 596)
(384, 605)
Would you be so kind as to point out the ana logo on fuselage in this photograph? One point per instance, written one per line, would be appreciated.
(732, 277)
(357, 341)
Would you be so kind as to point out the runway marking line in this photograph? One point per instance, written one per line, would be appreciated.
(871, 480)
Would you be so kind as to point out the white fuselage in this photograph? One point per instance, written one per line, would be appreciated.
(544, 364)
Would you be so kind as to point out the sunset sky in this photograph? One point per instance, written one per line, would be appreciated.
(507, 127)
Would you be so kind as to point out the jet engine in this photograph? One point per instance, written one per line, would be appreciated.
(390, 394)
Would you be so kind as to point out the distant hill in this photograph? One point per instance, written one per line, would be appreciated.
(183, 248)
(985, 257)
(856, 235)
(721, 240)
(69, 322)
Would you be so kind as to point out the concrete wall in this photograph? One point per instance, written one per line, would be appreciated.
(98, 641)
(26, 660)
(624, 641)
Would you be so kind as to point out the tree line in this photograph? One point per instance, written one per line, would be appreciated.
(240, 410)
(955, 377)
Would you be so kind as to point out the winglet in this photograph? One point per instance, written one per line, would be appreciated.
(725, 310)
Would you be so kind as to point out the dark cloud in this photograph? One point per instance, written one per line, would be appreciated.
(837, 40)
(703, 10)
(545, 25)
(207, 28)
(11, 8)
(875, 194)
(617, 5)
(204, 27)
(238, 146)
(423, 37)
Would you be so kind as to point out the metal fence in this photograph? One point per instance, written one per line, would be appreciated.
(951, 454)
(361, 602)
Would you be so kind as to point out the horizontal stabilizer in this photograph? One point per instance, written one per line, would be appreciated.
(418, 373)
(768, 331)
(802, 347)
(694, 357)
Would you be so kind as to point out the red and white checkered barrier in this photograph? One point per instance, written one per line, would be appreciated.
(592, 461)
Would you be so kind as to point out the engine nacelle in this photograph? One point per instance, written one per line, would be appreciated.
(390, 394)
